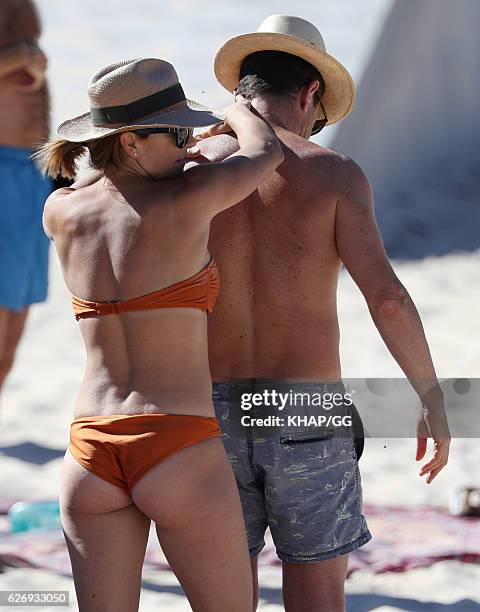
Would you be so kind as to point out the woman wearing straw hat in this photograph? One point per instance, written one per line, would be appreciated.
(132, 241)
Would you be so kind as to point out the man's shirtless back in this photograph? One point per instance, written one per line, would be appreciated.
(275, 328)
(276, 317)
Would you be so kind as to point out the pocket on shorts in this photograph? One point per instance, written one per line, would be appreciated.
(308, 434)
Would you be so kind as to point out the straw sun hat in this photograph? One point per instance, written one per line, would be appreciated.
(132, 94)
(298, 37)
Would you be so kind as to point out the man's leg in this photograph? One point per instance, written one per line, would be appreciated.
(313, 501)
(254, 564)
(315, 587)
(11, 328)
(238, 444)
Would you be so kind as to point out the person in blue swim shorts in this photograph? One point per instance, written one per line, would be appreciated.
(24, 114)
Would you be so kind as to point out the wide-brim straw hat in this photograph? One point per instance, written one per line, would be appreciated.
(298, 37)
(133, 94)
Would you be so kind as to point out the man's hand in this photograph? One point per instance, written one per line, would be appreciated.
(37, 67)
(433, 423)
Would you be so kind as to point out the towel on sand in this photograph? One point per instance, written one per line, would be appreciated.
(403, 539)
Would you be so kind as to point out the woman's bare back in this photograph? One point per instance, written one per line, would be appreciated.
(117, 242)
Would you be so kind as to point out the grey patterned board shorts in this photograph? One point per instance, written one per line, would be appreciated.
(298, 477)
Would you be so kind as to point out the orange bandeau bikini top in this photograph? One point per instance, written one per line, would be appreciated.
(199, 291)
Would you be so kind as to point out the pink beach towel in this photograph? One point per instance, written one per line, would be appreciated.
(403, 539)
(406, 538)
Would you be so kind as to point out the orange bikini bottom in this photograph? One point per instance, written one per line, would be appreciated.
(122, 448)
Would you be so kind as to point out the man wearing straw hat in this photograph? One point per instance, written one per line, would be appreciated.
(275, 328)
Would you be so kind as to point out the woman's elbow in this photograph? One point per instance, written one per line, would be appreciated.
(274, 150)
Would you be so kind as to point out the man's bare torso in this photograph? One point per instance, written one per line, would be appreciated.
(23, 115)
(276, 316)
(24, 97)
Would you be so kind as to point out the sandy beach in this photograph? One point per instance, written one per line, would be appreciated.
(36, 407)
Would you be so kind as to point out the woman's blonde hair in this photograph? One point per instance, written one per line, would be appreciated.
(60, 157)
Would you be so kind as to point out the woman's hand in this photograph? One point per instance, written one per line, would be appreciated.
(233, 115)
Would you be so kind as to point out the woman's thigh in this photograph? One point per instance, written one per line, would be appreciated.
(106, 537)
(193, 498)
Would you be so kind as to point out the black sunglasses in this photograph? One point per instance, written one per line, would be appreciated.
(319, 123)
(182, 135)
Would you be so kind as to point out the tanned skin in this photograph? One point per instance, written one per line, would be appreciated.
(24, 114)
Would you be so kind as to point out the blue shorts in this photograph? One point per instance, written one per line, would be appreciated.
(299, 479)
(23, 243)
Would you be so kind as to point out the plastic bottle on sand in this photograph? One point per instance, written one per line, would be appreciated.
(25, 516)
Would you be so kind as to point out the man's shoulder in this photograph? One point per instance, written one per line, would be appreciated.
(337, 166)
(322, 160)
(320, 154)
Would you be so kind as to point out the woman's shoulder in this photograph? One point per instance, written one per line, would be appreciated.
(54, 210)
(57, 209)
(87, 179)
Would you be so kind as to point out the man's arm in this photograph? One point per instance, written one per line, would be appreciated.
(361, 249)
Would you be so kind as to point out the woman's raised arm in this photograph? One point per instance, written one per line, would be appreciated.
(211, 188)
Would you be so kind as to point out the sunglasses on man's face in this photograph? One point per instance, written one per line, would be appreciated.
(320, 123)
(182, 135)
